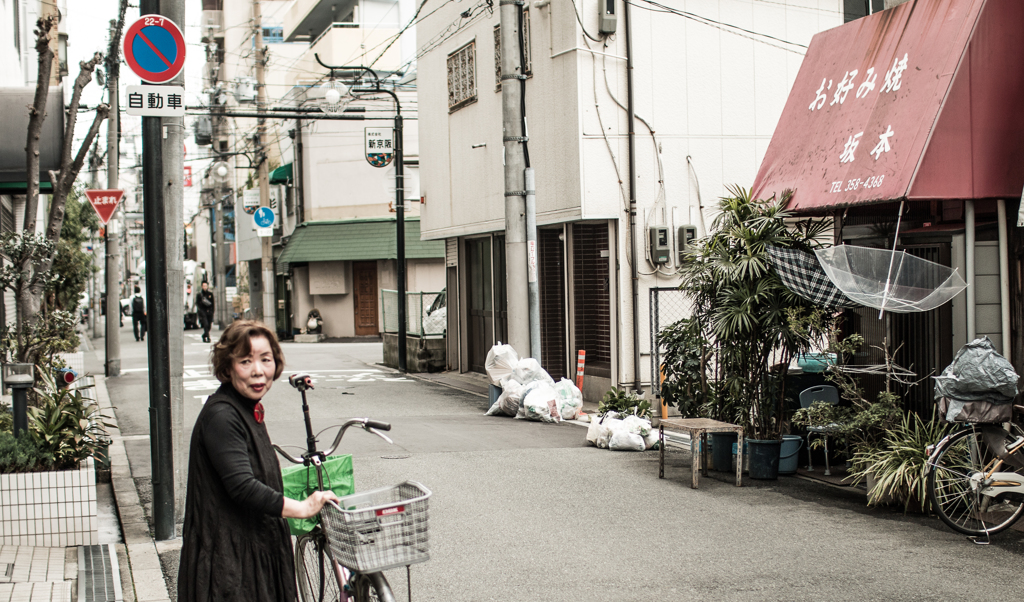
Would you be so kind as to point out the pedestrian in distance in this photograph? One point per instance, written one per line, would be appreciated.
(235, 541)
(139, 315)
(204, 308)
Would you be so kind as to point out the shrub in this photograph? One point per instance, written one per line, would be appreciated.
(624, 403)
(22, 454)
(67, 425)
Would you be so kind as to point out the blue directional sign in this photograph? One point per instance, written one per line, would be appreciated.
(264, 217)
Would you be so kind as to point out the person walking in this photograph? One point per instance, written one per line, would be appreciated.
(139, 315)
(235, 541)
(204, 307)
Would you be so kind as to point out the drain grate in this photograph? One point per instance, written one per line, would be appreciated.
(99, 579)
(396, 457)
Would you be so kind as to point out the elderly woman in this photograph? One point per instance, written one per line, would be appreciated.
(235, 541)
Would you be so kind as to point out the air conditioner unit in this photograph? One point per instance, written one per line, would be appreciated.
(203, 130)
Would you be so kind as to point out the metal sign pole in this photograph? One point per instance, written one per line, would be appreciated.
(156, 316)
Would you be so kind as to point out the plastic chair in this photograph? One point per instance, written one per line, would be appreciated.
(825, 394)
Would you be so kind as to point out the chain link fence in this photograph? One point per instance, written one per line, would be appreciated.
(668, 306)
(426, 313)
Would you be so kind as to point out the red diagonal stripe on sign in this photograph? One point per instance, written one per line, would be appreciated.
(153, 48)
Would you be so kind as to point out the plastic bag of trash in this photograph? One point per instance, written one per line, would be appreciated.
(651, 439)
(978, 373)
(539, 403)
(570, 400)
(608, 426)
(637, 425)
(623, 440)
(594, 431)
(501, 361)
(528, 370)
(508, 402)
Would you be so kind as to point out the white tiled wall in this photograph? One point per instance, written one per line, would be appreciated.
(49, 509)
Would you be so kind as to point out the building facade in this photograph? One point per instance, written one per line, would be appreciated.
(709, 82)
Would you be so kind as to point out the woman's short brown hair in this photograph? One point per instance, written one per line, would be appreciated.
(235, 343)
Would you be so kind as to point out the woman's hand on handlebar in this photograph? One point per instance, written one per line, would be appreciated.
(309, 507)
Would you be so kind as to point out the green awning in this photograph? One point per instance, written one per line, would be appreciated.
(22, 187)
(281, 175)
(355, 240)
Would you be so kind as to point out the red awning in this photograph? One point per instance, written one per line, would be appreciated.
(919, 102)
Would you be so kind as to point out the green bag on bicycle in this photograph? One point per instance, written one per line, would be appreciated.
(300, 482)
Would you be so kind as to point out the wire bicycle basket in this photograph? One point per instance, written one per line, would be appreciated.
(379, 529)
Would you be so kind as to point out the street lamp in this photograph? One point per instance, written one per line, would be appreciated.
(337, 103)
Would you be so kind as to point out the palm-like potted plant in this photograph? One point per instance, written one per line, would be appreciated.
(748, 320)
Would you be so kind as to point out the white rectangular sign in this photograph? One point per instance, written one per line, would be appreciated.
(264, 232)
(156, 101)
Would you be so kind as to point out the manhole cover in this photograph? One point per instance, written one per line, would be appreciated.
(396, 457)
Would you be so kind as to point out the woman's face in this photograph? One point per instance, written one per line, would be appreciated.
(252, 375)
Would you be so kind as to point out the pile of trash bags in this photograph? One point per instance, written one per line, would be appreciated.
(621, 433)
(527, 391)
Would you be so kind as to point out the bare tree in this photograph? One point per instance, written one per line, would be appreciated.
(34, 263)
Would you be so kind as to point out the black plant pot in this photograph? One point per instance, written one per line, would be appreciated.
(764, 458)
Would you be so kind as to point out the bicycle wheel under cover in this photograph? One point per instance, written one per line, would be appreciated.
(372, 588)
(314, 569)
(955, 482)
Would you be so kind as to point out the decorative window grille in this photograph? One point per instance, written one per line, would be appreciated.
(462, 77)
(525, 40)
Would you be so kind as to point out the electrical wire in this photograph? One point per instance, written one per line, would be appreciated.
(576, 11)
(726, 27)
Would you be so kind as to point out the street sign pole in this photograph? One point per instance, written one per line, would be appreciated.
(155, 50)
(112, 340)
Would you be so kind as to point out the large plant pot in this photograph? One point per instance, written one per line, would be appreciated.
(764, 458)
(789, 453)
(722, 445)
(49, 509)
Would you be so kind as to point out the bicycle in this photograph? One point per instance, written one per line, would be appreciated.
(343, 557)
(976, 477)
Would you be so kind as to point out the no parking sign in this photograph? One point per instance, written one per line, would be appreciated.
(154, 49)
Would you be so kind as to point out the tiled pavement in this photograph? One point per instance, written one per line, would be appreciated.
(30, 574)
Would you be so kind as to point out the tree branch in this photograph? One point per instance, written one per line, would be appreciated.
(83, 79)
(37, 114)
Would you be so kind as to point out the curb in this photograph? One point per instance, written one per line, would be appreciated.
(146, 583)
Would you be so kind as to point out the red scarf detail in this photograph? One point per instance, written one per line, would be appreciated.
(258, 413)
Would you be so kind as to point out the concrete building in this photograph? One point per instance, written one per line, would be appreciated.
(334, 208)
(710, 80)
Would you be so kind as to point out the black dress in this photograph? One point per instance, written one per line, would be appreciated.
(235, 545)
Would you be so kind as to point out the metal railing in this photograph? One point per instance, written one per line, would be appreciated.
(420, 321)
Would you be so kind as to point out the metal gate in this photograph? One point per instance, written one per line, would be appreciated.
(668, 306)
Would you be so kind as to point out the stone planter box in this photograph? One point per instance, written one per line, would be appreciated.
(49, 509)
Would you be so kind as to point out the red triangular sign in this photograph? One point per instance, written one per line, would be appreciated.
(104, 202)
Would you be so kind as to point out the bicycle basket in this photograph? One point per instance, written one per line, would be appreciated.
(981, 412)
(380, 529)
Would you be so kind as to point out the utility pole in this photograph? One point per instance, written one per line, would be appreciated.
(514, 138)
(269, 311)
(113, 269)
(94, 287)
(174, 206)
(220, 260)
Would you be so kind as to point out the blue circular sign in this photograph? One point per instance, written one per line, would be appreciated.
(264, 217)
(154, 49)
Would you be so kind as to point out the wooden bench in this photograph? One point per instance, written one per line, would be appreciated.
(698, 429)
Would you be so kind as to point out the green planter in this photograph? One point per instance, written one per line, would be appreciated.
(764, 458)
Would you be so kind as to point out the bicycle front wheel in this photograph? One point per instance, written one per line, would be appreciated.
(317, 573)
(956, 481)
(372, 587)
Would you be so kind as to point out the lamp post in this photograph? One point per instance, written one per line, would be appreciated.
(333, 96)
(20, 378)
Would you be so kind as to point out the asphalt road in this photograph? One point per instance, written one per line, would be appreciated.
(527, 511)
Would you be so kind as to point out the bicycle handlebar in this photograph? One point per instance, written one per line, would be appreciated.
(372, 426)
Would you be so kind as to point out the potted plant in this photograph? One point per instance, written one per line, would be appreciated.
(748, 319)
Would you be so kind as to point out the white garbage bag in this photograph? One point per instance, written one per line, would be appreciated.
(594, 431)
(651, 439)
(509, 401)
(570, 400)
(539, 403)
(501, 361)
(637, 425)
(528, 370)
(623, 440)
(607, 427)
